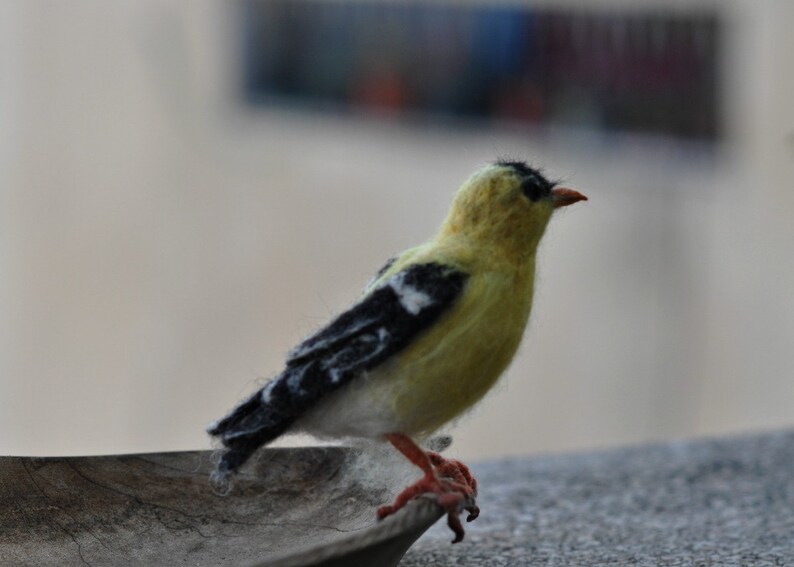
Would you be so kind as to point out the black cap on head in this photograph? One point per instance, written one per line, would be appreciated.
(533, 184)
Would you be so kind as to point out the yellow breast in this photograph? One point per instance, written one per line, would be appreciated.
(460, 359)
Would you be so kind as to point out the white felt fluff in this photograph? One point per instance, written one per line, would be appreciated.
(356, 411)
(412, 299)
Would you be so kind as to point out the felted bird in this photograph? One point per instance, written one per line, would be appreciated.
(431, 334)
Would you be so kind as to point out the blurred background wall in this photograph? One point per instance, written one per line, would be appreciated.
(166, 235)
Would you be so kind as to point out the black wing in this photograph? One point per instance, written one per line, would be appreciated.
(382, 324)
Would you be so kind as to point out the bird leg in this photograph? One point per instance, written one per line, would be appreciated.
(449, 480)
(460, 473)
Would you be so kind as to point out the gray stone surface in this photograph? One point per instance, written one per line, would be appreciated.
(702, 503)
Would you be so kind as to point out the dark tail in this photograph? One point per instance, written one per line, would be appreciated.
(250, 425)
(268, 413)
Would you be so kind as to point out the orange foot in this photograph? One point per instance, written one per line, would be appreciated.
(460, 473)
(449, 480)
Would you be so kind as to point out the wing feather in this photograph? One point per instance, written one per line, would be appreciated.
(383, 323)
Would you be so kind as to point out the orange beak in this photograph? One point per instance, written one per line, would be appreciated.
(562, 197)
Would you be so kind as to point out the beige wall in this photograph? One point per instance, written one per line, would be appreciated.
(161, 248)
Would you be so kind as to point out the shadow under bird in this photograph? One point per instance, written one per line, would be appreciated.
(431, 334)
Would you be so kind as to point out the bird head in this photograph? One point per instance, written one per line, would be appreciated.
(506, 206)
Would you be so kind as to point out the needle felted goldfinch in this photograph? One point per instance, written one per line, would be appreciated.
(430, 335)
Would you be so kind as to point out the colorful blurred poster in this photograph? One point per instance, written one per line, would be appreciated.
(644, 72)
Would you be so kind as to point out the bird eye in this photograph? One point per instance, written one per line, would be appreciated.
(534, 188)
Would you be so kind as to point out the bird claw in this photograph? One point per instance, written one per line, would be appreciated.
(453, 521)
(453, 488)
(453, 508)
(448, 480)
(474, 513)
(457, 471)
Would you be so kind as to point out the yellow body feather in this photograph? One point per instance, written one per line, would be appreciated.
(491, 233)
